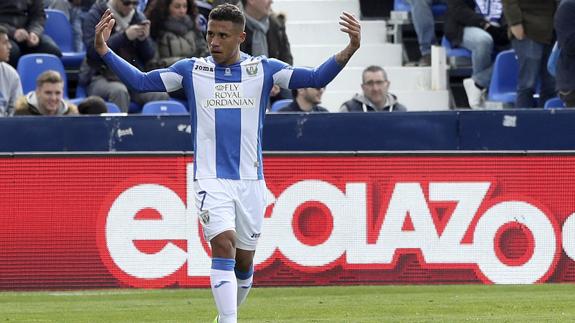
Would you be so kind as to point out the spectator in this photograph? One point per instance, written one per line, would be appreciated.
(531, 25)
(375, 95)
(131, 40)
(305, 100)
(74, 11)
(266, 35)
(476, 26)
(175, 31)
(10, 86)
(424, 25)
(47, 99)
(92, 105)
(24, 20)
(565, 70)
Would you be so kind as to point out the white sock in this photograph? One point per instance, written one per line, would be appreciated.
(224, 288)
(244, 280)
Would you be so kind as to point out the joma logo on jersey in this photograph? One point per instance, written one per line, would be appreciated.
(203, 68)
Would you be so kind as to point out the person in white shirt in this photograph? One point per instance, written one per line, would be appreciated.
(10, 86)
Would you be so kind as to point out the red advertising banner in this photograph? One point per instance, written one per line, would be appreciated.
(129, 221)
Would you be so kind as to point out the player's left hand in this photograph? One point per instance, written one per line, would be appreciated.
(351, 26)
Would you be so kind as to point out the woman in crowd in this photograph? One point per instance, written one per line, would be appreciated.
(175, 31)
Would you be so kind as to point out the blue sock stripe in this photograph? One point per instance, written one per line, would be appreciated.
(223, 264)
(243, 275)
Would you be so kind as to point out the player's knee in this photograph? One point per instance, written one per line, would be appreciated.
(223, 245)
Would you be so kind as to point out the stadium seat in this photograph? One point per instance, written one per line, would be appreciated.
(554, 103)
(438, 9)
(58, 27)
(164, 107)
(280, 104)
(30, 66)
(503, 86)
(458, 56)
(113, 108)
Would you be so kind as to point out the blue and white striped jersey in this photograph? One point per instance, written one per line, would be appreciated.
(227, 105)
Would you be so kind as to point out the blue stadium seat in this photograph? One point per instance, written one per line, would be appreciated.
(113, 108)
(30, 66)
(554, 103)
(280, 104)
(438, 9)
(454, 52)
(503, 86)
(164, 107)
(58, 27)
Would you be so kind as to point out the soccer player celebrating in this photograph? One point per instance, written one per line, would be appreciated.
(227, 97)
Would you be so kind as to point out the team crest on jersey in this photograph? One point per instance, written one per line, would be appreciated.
(252, 69)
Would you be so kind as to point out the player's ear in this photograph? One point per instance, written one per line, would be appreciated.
(242, 37)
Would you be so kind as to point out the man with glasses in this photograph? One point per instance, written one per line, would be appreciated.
(131, 40)
(375, 97)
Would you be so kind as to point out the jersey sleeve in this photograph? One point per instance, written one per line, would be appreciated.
(287, 76)
(160, 80)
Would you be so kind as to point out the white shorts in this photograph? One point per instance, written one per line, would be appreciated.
(238, 205)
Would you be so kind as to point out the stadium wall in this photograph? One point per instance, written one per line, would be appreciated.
(97, 219)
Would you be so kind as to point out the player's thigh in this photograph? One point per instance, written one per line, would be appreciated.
(215, 207)
(250, 208)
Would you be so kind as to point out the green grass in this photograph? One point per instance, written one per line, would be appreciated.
(453, 303)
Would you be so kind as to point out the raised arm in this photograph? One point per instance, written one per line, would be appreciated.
(154, 81)
(350, 26)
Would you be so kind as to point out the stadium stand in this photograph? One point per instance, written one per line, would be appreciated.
(308, 19)
(113, 108)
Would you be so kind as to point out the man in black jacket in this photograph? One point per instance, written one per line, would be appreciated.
(24, 20)
(305, 100)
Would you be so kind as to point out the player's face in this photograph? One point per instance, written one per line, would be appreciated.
(5, 47)
(178, 8)
(49, 96)
(224, 39)
(375, 86)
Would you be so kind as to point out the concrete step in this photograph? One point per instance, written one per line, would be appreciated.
(326, 32)
(315, 9)
(412, 100)
(377, 54)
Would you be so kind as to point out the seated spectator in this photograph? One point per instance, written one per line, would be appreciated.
(74, 11)
(477, 27)
(305, 100)
(130, 39)
(175, 31)
(10, 86)
(424, 24)
(47, 99)
(92, 105)
(24, 20)
(375, 97)
(531, 25)
(565, 69)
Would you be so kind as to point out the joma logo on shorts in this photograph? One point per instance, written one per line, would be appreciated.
(255, 235)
